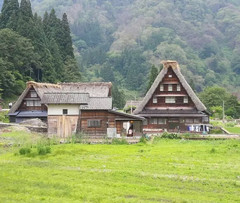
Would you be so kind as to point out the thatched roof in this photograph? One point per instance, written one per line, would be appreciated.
(65, 98)
(176, 69)
(94, 89)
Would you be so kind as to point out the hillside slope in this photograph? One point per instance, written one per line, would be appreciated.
(120, 40)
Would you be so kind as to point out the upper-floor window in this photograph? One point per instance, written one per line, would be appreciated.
(33, 103)
(170, 76)
(161, 88)
(170, 88)
(178, 88)
(154, 100)
(185, 100)
(33, 94)
(170, 100)
(65, 111)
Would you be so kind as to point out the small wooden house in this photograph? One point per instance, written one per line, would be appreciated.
(171, 104)
(70, 113)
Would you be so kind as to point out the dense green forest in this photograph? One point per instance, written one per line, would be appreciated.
(33, 48)
(120, 40)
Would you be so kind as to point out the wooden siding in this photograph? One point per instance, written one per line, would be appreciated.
(161, 100)
(65, 126)
(62, 126)
(24, 107)
(172, 124)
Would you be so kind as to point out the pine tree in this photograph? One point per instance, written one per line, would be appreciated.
(9, 14)
(66, 41)
(25, 21)
(152, 76)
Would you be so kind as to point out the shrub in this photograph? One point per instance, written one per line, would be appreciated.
(143, 140)
(170, 136)
(117, 141)
(230, 124)
(24, 151)
(43, 150)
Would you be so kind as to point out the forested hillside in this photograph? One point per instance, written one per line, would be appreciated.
(33, 48)
(119, 41)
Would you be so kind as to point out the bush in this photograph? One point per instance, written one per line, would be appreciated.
(43, 150)
(230, 124)
(4, 117)
(117, 141)
(170, 136)
(24, 151)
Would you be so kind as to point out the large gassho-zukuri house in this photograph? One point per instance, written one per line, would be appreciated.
(171, 104)
(70, 108)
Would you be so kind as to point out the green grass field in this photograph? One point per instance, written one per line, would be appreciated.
(233, 130)
(163, 171)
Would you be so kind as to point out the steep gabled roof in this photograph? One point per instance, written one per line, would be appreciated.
(94, 89)
(176, 69)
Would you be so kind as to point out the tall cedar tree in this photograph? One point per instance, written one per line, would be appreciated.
(9, 14)
(152, 76)
(51, 58)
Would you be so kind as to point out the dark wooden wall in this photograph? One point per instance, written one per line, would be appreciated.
(161, 100)
(24, 107)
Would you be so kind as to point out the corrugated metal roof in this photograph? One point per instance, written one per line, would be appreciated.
(65, 98)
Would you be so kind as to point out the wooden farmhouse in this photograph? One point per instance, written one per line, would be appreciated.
(70, 108)
(171, 104)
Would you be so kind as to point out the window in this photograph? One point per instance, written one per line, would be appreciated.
(170, 76)
(94, 123)
(33, 94)
(170, 88)
(153, 121)
(30, 103)
(161, 121)
(170, 100)
(65, 111)
(178, 88)
(185, 100)
(37, 103)
(155, 100)
(161, 88)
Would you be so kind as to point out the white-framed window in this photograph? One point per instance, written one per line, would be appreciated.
(154, 100)
(161, 88)
(185, 100)
(170, 88)
(178, 87)
(94, 123)
(30, 103)
(37, 103)
(33, 94)
(162, 121)
(170, 100)
(153, 121)
(170, 76)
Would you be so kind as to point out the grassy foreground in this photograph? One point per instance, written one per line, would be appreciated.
(164, 171)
